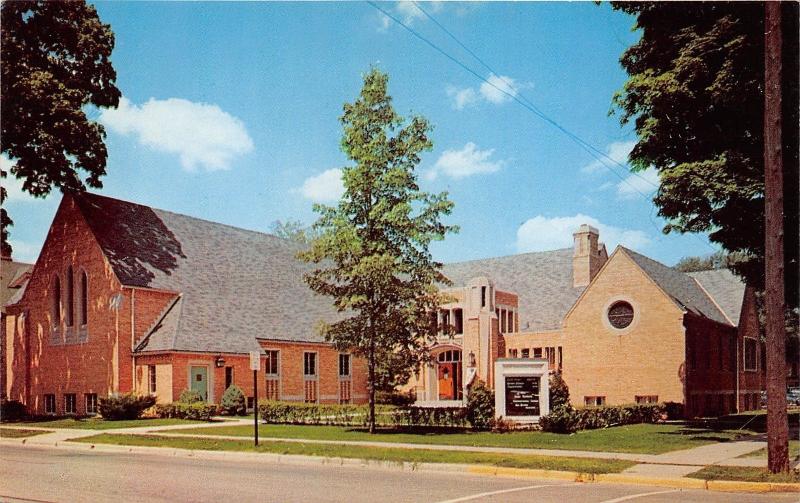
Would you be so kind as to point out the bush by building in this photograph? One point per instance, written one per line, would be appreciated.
(12, 410)
(567, 419)
(396, 398)
(233, 402)
(190, 396)
(117, 407)
(559, 391)
(480, 406)
(197, 411)
(356, 415)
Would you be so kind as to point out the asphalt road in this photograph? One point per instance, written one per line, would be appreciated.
(33, 474)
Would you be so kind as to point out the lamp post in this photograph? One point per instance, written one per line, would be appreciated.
(255, 366)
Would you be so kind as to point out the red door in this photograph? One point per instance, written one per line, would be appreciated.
(446, 372)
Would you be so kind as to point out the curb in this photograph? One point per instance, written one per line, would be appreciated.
(481, 470)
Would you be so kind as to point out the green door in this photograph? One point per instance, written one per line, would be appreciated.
(200, 381)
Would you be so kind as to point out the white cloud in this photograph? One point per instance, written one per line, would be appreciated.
(541, 233)
(462, 97)
(644, 182)
(497, 90)
(23, 251)
(465, 162)
(327, 187)
(408, 12)
(201, 134)
(619, 151)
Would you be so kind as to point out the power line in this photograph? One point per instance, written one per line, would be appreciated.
(527, 104)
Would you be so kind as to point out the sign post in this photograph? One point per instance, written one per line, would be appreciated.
(255, 366)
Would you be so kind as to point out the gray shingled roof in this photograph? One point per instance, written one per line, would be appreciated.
(681, 287)
(236, 285)
(725, 288)
(542, 280)
(10, 274)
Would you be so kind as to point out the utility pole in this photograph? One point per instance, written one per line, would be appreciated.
(777, 420)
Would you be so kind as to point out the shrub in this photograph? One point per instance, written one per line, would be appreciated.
(233, 402)
(559, 391)
(190, 396)
(566, 419)
(12, 410)
(198, 411)
(395, 398)
(124, 406)
(674, 410)
(480, 406)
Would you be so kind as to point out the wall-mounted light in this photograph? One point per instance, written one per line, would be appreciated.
(472, 362)
(219, 361)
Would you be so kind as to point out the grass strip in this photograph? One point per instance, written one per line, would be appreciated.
(95, 423)
(638, 439)
(20, 432)
(794, 451)
(744, 474)
(389, 454)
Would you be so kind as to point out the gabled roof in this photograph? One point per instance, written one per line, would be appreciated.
(679, 286)
(235, 284)
(725, 288)
(13, 279)
(542, 280)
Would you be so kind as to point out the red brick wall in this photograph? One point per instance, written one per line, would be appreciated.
(99, 365)
(751, 383)
(710, 367)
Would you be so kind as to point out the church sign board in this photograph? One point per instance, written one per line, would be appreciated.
(521, 389)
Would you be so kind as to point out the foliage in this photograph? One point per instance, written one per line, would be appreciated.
(397, 398)
(566, 419)
(372, 248)
(117, 407)
(695, 96)
(717, 260)
(233, 402)
(12, 410)
(197, 411)
(275, 412)
(674, 410)
(293, 230)
(56, 63)
(190, 396)
(559, 391)
(480, 406)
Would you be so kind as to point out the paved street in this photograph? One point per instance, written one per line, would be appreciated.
(30, 473)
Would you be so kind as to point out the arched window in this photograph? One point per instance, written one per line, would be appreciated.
(55, 298)
(70, 307)
(84, 299)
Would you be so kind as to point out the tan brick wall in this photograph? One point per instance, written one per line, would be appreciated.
(645, 359)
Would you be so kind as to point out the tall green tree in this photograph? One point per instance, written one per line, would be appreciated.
(293, 230)
(56, 61)
(696, 98)
(371, 250)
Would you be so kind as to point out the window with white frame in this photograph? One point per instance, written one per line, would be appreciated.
(272, 357)
(90, 400)
(151, 379)
(344, 365)
(594, 401)
(645, 399)
(49, 403)
(309, 364)
(70, 403)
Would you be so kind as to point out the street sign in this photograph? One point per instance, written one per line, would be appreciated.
(255, 360)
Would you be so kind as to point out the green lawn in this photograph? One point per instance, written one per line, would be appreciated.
(101, 424)
(391, 454)
(20, 433)
(744, 474)
(639, 438)
(794, 451)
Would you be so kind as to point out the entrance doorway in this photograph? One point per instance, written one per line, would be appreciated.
(199, 378)
(449, 375)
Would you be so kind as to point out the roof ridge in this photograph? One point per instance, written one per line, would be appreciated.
(511, 255)
(184, 215)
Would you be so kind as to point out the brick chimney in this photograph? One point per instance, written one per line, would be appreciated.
(588, 256)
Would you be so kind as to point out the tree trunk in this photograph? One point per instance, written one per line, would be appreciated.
(777, 420)
(371, 384)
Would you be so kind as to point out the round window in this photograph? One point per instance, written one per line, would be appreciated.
(620, 314)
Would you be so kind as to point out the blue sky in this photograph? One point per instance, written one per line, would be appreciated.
(230, 113)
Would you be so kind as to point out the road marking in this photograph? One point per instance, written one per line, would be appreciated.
(641, 495)
(501, 491)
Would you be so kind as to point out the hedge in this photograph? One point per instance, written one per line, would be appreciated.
(12, 410)
(276, 412)
(567, 419)
(198, 411)
(124, 406)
